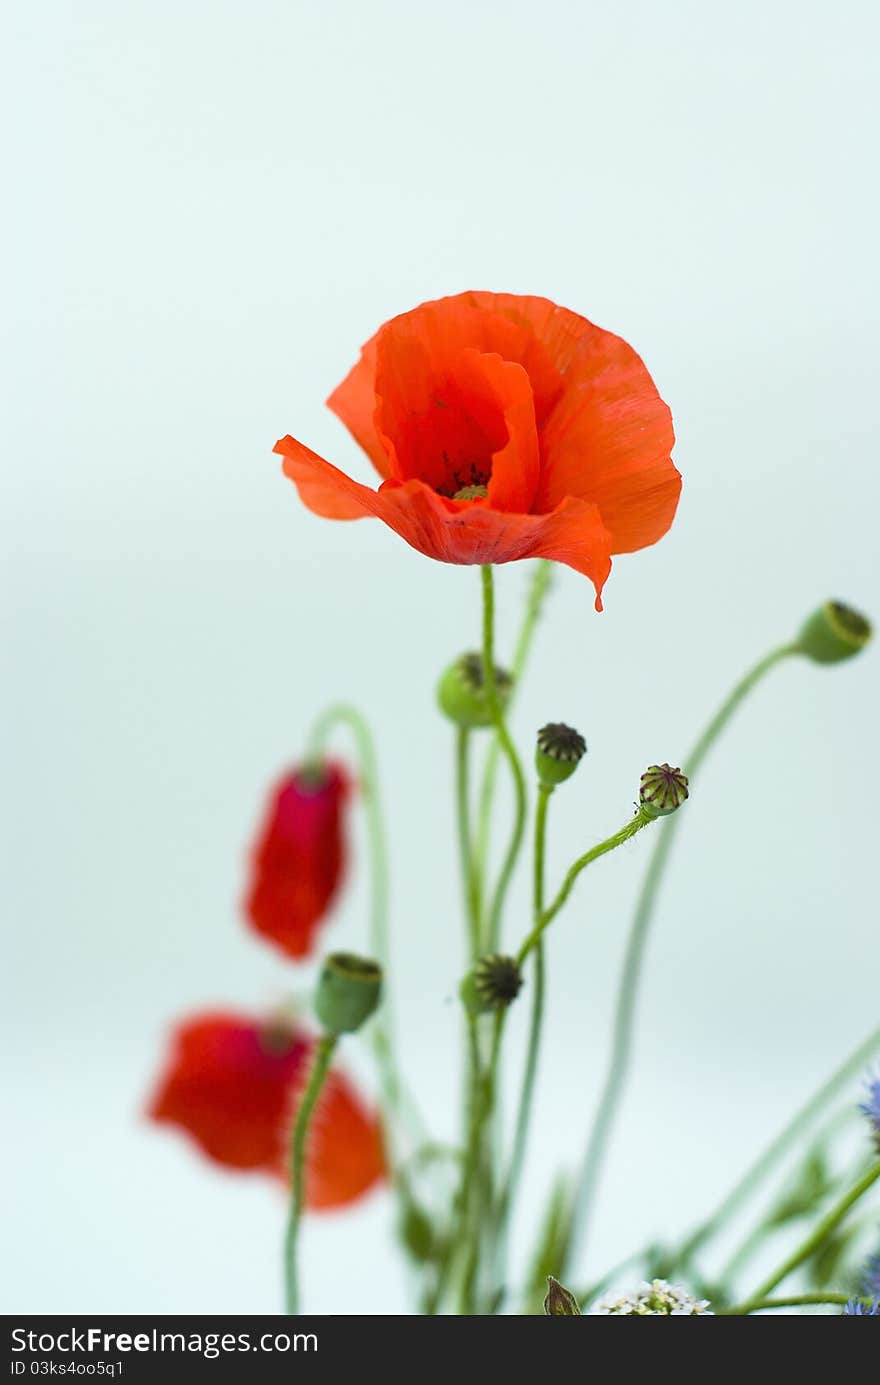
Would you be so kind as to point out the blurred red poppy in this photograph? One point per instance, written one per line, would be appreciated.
(502, 427)
(232, 1083)
(298, 859)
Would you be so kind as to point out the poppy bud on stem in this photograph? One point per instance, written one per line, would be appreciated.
(560, 1302)
(833, 633)
(558, 753)
(463, 695)
(662, 790)
(349, 990)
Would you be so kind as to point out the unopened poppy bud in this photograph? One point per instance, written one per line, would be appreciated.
(349, 989)
(417, 1233)
(497, 981)
(462, 692)
(662, 790)
(834, 632)
(559, 751)
(559, 1301)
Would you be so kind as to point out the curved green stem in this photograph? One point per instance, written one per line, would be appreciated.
(395, 1098)
(323, 1056)
(641, 819)
(493, 918)
(757, 1305)
(470, 880)
(787, 1137)
(627, 993)
(540, 585)
(823, 1229)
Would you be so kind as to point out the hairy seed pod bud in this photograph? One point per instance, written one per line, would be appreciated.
(662, 790)
(833, 633)
(559, 751)
(461, 692)
(559, 1301)
(497, 981)
(494, 982)
(349, 989)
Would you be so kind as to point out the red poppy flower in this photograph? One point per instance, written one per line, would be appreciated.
(298, 859)
(232, 1083)
(502, 427)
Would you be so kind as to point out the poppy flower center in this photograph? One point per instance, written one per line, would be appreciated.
(467, 481)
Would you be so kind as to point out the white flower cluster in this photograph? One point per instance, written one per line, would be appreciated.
(658, 1297)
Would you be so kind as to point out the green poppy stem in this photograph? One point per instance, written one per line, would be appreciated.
(627, 994)
(539, 587)
(496, 907)
(758, 1305)
(320, 1067)
(819, 1233)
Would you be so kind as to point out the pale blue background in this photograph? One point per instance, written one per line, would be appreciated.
(209, 207)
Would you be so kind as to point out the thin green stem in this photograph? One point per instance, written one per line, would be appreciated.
(788, 1136)
(469, 877)
(628, 989)
(540, 585)
(493, 917)
(320, 1066)
(527, 1090)
(396, 1100)
(641, 819)
(819, 1233)
(758, 1305)
(474, 1205)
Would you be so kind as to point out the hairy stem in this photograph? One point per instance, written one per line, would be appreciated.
(320, 1066)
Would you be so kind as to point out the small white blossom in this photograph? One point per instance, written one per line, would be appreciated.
(661, 1298)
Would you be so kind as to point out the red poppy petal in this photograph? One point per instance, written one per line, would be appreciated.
(298, 859)
(230, 1093)
(468, 532)
(345, 1154)
(515, 466)
(609, 440)
(354, 402)
(232, 1084)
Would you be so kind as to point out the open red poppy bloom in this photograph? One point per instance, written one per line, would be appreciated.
(232, 1083)
(502, 427)
(298, 859)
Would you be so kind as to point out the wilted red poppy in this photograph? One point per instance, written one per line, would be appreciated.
(232, 1083)
(298, 858)
(503, 427)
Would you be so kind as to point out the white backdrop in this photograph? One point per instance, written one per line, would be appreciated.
(214, 204)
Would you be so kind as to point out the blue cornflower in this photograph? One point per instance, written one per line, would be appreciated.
(871, 1107)
(854, 1309)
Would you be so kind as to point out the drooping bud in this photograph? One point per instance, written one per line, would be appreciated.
(662, 790)
(559, 751)
(349, 989)
(461, 692)
(559, 1301)
(833, 633)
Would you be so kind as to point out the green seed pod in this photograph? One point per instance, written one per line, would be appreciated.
(461, 692)
(559, 751)
(834, 632)
(349, 989)
(559, 1301)
(662, 790)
